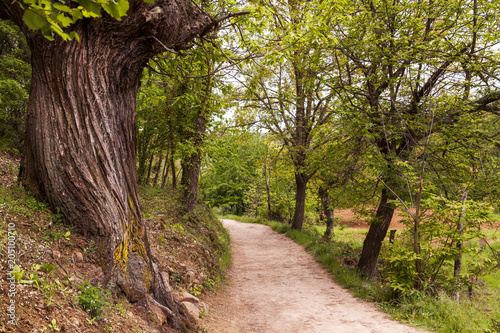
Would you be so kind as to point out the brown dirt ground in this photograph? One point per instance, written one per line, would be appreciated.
(350, 219)
(275, 286)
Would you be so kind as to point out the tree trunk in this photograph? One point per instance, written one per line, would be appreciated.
(174, 175)
(457, 267)
(158, 171)
(150, 166)
(141, 159)
(268, 190)
(378, 230)
(80, 152)
(327, 212)
(165, 170)
(192, 165)
(300, 201)
(189, 180)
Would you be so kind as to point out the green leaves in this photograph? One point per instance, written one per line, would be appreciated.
(90, 9)
(34, 19)
(52, 18)
(116, 8)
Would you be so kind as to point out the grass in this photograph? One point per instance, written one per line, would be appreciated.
(437, 312)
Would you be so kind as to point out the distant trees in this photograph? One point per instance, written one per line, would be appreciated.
(402, 69)
(244, 173)
(230, 170)
(15, 81)
(179, 101)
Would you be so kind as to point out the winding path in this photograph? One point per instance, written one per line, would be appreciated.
(275, 286)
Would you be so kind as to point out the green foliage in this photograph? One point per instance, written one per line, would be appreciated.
(179, 99)
(51, 18)
(48, 268)
(53, 325)
(231, 168)
(399, 267)
(441, 313)
(15, 80)
(92, 299)
(18, 273)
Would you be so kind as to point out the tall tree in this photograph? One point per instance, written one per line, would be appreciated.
(287, 87)
(396, 57)
(79, 152)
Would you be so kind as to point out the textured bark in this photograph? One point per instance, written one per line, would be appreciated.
(165, 169)
(378, 230)
(327, 212)
(267, 179)
(300, 200)
(158, 171)
(191, 166)
(80, 152)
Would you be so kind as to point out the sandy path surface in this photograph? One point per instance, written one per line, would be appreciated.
(275, 286)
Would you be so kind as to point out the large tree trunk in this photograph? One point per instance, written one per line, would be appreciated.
(378, 230)
(300, 200)
(80, 151)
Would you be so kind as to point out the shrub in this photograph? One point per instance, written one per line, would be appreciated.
(92, 299)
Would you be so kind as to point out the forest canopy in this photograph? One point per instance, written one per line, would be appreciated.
(284, 110)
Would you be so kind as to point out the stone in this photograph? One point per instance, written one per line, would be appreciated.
(79, 256)
(75, 322)
(203, 307)
(187, 297)
(192, 274)
(192, 309)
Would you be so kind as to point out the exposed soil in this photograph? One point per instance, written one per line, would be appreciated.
(275, 286)
(60, 260)
(349, 218)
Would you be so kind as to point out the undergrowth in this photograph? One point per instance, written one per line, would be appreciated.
(198, 232)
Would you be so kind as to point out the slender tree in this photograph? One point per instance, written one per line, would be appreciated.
(286, 87)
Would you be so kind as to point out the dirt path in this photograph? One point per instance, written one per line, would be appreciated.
(275, 286)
